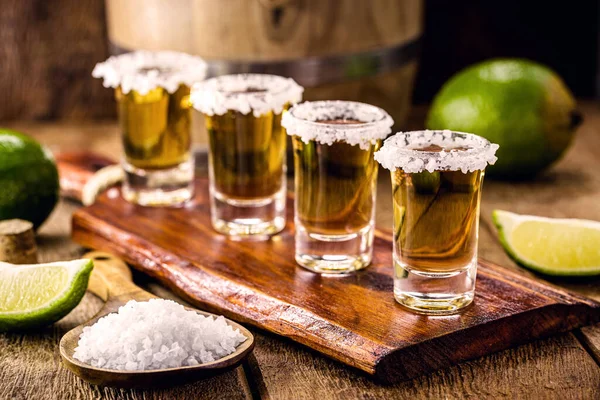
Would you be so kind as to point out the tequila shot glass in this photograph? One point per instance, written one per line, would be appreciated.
(152, 92)
(335, 182)
(247, 148)
(437, 178)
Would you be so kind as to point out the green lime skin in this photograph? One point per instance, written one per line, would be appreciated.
(54, 311)
(567, 272)
(523, 106)
(28, 179)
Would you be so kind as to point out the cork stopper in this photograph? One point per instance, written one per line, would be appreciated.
(17, 242)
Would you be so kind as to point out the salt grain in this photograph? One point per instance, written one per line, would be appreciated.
(217, 96)
(302, 121)
(402, 151)
(155, 334)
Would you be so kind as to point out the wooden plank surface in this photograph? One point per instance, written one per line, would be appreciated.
(30, 366)
(555, 368)
(353, 319)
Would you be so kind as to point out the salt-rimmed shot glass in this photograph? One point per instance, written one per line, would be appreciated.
(247, 148)
(152, 91)
(335, 182)
(437, 179)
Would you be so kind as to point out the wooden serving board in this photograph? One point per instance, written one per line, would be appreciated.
(352, 319)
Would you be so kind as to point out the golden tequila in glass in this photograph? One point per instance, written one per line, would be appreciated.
(158, 164)
(437, 178)
(335, 192)
(155, 127)
(247, 154)
(152, 90)
(247, 151)
(335, 182)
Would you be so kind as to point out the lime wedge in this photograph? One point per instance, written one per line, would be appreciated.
(559, 247)
(38, 295)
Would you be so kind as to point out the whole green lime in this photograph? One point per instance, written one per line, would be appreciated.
(523, 106)
(28, 178)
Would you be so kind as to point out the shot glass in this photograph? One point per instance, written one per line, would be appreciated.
(335, 182)
(247, 148)
(437, 178)
(152, 91)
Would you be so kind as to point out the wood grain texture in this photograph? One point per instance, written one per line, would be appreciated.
(48, 50)
(590, 337)
(549, 369)
(75, 169)
(17, 242)
(30, 366)
(353, 319)
(555, 368)
(552, 368)
(263, 29)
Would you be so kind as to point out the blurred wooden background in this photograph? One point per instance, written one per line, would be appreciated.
(48, 49)
(47, 52)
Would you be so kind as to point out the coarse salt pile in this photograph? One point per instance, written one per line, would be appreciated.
(155, 334)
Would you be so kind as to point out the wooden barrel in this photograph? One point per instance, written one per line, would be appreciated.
(337, 49)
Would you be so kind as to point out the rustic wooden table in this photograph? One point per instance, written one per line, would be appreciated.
(564, 366)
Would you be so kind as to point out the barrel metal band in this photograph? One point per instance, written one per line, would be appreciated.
(315, 71)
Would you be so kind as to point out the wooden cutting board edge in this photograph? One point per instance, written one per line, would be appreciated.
(385, 363)
(100, 239)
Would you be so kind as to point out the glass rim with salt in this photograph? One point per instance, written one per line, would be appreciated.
(437, 178)
(335, 180)
(304, 121)
(242, 117)
(245, 93)
(152, 94)
(145, 70)
(403, 150)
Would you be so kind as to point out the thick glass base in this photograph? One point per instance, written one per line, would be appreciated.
(255, 219)
(159, 187)
(334, 254)
(434, 293)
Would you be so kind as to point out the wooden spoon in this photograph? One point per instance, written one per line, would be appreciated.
(111, 281)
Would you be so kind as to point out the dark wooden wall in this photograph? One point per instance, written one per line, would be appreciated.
(47, 51)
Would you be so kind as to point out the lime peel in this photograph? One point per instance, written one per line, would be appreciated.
(39, 294)
(551, 246)
(101, 180)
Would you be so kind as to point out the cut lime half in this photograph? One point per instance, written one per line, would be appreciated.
(37, 295)
(559, 247)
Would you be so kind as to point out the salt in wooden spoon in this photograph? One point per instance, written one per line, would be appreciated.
(111, 281)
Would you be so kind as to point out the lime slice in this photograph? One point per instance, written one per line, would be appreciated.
(560, 247)
(102, 179)
(38, 295)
